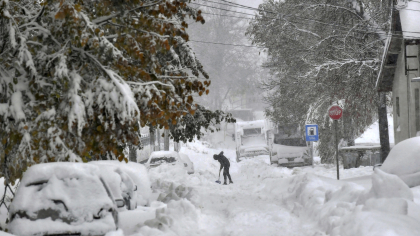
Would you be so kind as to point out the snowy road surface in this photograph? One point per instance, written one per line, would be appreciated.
(242, 208)
(268, 200)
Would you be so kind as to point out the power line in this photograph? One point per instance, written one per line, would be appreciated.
(248, 18)
(223, 9)
(303, 18)
(227, 44)
(316, 21)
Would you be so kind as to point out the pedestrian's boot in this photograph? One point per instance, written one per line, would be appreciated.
(230, 182)
(225, 183)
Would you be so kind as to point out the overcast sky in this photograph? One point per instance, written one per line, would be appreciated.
(251, 3)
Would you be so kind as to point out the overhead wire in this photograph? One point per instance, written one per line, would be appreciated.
(303, 18)
(251, 8)
(316, 21)
(228, 44)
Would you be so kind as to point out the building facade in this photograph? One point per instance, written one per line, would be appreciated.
(400, 71)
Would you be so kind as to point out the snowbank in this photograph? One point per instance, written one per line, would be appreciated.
(348, 209)
(404, 161)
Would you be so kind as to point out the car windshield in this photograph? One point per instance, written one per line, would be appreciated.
(160, 160)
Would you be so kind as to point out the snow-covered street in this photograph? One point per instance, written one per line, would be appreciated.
(269, 200)
(246, 207)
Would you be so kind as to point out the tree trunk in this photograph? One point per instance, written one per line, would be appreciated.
(132, 155)
(177, 147)
(158, 139)
(348, 129)
(152, 136)
(166, 140)
(383, 126)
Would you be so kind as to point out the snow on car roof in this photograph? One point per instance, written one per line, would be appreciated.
(164, 154)
(74, 189)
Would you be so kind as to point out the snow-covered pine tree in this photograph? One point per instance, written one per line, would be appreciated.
(78, 77)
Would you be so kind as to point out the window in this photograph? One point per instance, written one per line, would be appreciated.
(254, 131)
(397, 105)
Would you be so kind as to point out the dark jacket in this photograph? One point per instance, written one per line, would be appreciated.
(224, 162)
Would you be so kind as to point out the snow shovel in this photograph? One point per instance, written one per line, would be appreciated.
(218, 181)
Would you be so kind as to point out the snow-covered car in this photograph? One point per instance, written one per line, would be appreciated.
(121, 185)
(63, 199)
(169, 157)
(137, 173)
(404, 161)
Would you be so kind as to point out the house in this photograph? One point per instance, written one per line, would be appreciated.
(399, 72)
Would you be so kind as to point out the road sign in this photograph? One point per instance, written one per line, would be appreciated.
(311, 132)
(335, 112)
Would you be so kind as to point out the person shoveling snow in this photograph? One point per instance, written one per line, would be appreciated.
(224, 164)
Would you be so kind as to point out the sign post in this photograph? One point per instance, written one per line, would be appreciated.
(335, 112)
(312, 135)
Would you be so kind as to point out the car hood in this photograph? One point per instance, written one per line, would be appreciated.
(61, 197)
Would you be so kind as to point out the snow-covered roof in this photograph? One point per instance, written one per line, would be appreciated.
(410, 18)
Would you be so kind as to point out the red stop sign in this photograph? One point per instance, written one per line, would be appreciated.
(335, 112)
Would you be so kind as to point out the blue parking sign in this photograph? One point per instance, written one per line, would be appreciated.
(311, 132)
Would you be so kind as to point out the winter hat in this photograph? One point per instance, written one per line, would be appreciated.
(215, 157)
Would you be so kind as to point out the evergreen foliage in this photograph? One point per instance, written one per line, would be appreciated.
(191, 125)
(78, 78)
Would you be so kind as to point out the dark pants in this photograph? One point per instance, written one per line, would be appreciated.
(226, 173)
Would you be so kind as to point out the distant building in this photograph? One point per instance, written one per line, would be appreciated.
(400, 72)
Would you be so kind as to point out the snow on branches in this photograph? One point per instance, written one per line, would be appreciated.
(78, 77)
(322, 52)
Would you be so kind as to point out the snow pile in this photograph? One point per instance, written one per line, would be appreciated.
(348, 209)
(404, 161)
(256, 169)
(178, 217)
(174, 211)
(330, 171)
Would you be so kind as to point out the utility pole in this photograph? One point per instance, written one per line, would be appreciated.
(383, 126)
